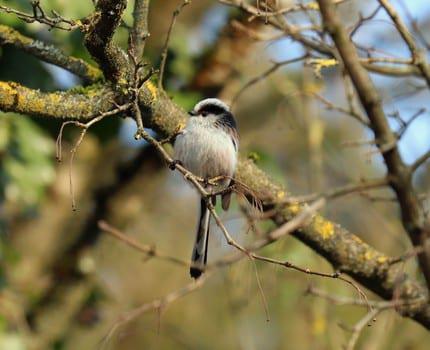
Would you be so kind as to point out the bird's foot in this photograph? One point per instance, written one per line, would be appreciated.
(174, 163)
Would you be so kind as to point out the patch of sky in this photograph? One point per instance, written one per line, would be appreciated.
(212, 22)
(127, 132)
(62, 78)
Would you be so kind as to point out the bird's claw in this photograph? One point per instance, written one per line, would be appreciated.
(206, 182)
(174, 163)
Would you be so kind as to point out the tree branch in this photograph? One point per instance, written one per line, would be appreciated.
(166, 43)
(418, 56)
(420, 161)
(39, 15)
(279, 22)
(49, 54)
(399, 174)
(140, 31)
(98, 40)
(341, 248)
(58, 105)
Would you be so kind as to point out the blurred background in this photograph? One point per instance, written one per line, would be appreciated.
(64, 283)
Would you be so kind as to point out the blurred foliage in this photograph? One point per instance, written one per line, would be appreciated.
(26, 163)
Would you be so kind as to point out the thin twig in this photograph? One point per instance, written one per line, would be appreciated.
(166, 44)
(39, 15)
(157, 304)
(265, 74)
(374, 308)
(276, 234)
(376, 304)
(350, 112)
(406, 124)
(360, 325)
(283, 11)
(420, 161)
(339, 191)
(149, 250)
(84, 127)
(260, 288)
(362, 20)
(418, 56)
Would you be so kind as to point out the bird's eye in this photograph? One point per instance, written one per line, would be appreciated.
(204, 113)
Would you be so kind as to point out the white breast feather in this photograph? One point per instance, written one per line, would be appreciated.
(205, 150)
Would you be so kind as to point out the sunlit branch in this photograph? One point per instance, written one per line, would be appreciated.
(49, 54)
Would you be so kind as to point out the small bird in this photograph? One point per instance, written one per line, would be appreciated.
(207, 147)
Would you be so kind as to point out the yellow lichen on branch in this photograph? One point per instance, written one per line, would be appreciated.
(63, 105)
(50, 54)
(295, 208)
(7, 95)
(9, 35)
(323, 227)
(152, 89)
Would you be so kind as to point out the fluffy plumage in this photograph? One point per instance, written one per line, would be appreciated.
(207, 146)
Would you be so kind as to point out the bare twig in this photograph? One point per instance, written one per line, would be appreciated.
(360, 325)
(352, 112)
(157, 304)
(418, 56)
(408, 255)
(276, 234)
(260, 288)
(283, 11)
(84, 127)
(39, 15)
(367, 320)
(414, 25)
(375, 304)
(340, 191)
(149, 250)
(362, 20)
(405, 125)
(420, 161)
(265, 74)
(166, 43)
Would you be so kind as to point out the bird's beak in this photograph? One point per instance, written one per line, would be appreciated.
(192, 113)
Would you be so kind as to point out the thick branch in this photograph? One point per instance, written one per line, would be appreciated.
(59, 105)
(399, 173)
(49, 53)
(98, 40)
(340, 247)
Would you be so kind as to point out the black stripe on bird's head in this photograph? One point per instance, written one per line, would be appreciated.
(210, 106)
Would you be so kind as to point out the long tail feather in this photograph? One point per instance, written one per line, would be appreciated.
(200, 250)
